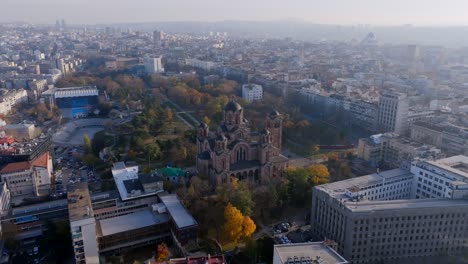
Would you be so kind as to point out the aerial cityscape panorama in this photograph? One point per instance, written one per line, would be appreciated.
(234, 132)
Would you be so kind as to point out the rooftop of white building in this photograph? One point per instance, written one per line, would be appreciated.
(339, 189)
(128, 222)
(179, 214)
(72, 92)
(128, 182)
(455, 164)
(406, 204)
(307, 251)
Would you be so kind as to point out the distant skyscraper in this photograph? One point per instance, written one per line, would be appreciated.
(158, 36)
(64, 25)
(393, 112)
(57, 23)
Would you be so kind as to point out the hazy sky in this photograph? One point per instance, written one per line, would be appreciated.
(374, 12)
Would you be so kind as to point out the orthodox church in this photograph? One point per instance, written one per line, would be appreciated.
(233, 151)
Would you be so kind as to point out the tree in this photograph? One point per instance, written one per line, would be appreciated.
(233, 223)
(248, 227)
(206, 120)
(169, 115)
(153, 151)
(89, 159)
(242, 198)
(299, 185)
(319, 174)
(236, 225)
(314, 149)
(87, 144)
(266, 198)
(162, 252)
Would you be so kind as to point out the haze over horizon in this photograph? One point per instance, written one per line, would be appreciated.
(343, 12)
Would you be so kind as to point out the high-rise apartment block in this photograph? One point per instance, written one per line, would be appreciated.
(252, 92)
(397, 214)
(153, 65)
(393, 112)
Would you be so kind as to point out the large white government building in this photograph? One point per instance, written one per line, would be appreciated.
(397, 215)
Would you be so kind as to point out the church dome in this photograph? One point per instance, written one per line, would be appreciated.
(232, 106)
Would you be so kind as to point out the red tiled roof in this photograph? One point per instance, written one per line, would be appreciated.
(16, 166)
(41, 161)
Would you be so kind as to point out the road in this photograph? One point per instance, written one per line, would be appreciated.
(180, 109)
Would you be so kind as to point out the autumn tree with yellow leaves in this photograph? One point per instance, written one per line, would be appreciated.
(236, 225)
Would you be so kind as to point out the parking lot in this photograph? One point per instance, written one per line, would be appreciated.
(287, 233)
(70, 171)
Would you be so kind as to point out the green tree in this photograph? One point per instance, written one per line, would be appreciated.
(153, 151)
(242, 199)
(299, 186)
(88, 148)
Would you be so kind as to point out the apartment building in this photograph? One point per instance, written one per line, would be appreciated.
(153, 65)
(390, 150)
(29, 177)
(451, 139)
(361, 113)
(252, 92)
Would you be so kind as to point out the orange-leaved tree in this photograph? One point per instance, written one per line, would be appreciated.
(162, 252)
(248, 227)
(237, 225)
(233, 223)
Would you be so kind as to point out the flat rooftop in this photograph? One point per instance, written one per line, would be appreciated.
(374, 206)
(40, 207)
(79, 202)
(181, 216)
(72, 92)
(307, 250)
(338, 189)
(122, 173)
(128, 181)
(128, 222)
(455, 164)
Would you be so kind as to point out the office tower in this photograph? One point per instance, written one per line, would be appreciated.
(397, 214)
(393, 112)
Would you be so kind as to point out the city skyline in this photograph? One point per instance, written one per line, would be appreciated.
(398, 12)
